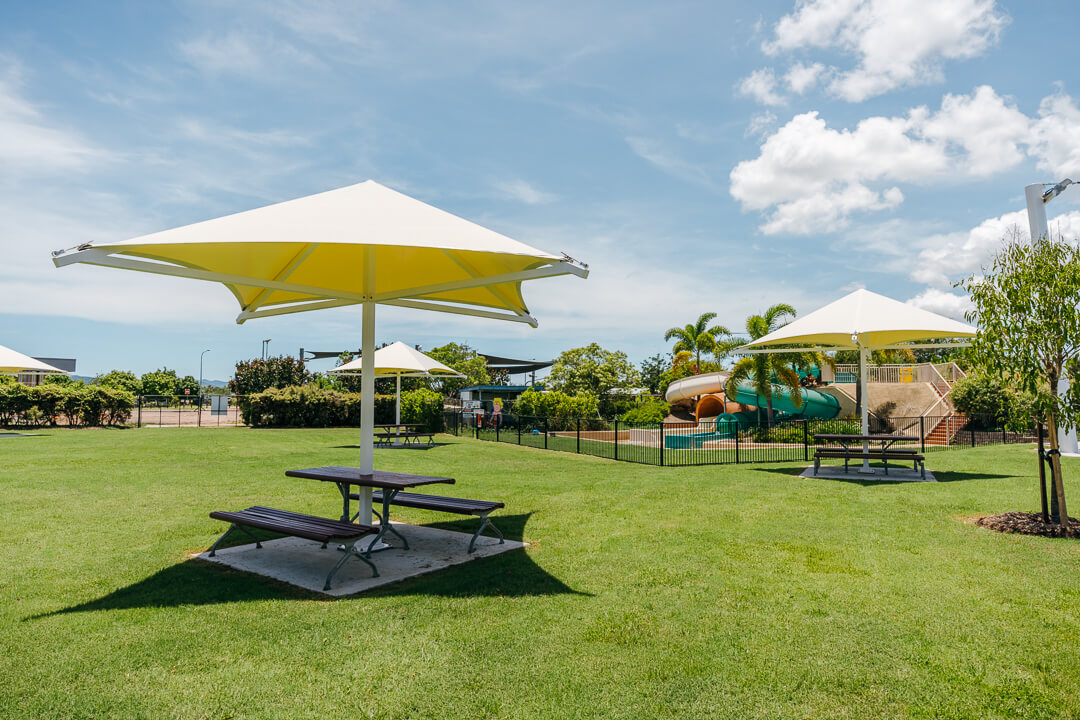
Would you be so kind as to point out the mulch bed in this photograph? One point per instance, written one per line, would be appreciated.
(1027, 524)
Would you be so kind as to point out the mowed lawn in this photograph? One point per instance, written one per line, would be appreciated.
(727, 592)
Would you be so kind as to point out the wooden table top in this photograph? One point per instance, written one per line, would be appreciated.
(379, 478)
(383, 426)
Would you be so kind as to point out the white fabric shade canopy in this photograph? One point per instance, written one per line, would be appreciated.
(399, 360)
(862, 321)
(14, 362)
(364, 244)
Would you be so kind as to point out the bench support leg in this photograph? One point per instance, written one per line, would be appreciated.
(384, 523)
(214, 547)
(349, 551)
(484, 522)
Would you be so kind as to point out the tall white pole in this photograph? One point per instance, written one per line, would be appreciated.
(864, 378)
(1036, 209)
(397, 401)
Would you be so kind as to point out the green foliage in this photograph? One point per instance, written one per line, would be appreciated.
(652, 371)
(985, 395)
(699, 337)
(188, 386)
(423, 405)
(121, 379)
(762, 370)
(463, 359)
(647, 410)
(257, 375)
(77, 403)
(160, 382)
(593, 371)
(560, 409)
(310, 406)
(60, 379)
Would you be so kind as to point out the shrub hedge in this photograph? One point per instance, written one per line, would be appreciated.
(75, 403)
(314, 406)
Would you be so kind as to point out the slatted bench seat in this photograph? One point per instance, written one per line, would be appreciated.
(390, 438)
(460, 506)
(294, 524)
(902, 455)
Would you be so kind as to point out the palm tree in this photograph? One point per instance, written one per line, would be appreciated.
(697, 338)
(761, 369)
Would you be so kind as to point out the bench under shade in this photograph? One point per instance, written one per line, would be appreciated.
(309, 527)
(884, 455)
(460, 506)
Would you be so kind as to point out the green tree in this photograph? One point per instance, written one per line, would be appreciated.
(698, 337)
(121, 379)
(466, 361)
(765, 368)
(652, 371)
(253, 376)
(160, 382)
(1025, 307)
(593, 370)
(188, 386)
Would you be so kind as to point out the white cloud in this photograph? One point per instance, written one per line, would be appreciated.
(243, 53)
(761, 85)
(670, 162)
(943, 303)
(896, 43)
(524, 192)
(948, 256)
(760, 124)
(31, 144)
(813, 177)
(800, 77)
(1057, 136)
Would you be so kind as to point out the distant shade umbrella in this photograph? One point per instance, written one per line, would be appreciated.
(364, 245)
(399, 360)
(862, 321)
(13, 362)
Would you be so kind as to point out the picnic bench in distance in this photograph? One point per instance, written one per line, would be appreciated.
(884, 453)
(389, 434)
(460, 506)
(294, 524)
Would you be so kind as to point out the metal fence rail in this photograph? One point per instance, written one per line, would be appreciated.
(187, 411)
(722, 443)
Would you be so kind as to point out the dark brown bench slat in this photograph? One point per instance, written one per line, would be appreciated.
(876, 455)
(460, 506)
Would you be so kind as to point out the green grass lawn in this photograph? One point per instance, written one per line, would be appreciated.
(729, 592)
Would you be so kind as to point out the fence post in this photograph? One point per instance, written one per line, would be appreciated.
(545, 432)
(922, 434)
(973, 435)
(805, 440)
(199, 421)
(616, 438)
(661, 443)
(498, 422)
(139, 421)
(519, 429)
(736, 443)
(476, 425)
(1004, 437)
(1042, 475)
(578, 421)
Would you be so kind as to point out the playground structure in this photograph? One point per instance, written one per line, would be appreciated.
(914, 390)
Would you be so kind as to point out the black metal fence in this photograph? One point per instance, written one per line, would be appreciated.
(187, 411)
(724, 442)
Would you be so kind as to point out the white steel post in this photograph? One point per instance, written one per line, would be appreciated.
(367, 409)
(864, 376)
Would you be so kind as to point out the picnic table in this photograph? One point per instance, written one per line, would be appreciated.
(865, 453)
(389, 433)
(391, 483)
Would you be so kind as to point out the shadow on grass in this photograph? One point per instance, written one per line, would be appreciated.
(199, 582)
(942, 476)
(405, 446)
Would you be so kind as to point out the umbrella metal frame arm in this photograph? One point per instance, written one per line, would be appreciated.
(409, 297)
(833, 348)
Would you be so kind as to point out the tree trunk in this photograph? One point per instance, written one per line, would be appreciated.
(1055, 472)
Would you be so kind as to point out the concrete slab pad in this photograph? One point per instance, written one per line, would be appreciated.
(304, 563)
(896, 474)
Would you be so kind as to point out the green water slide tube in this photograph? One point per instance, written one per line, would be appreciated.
(815, 404)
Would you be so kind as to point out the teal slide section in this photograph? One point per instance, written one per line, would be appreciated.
(815, 404)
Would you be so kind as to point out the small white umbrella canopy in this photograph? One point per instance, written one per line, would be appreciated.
(862, 321)
(364, 245)
(13, 362)
(399, 360)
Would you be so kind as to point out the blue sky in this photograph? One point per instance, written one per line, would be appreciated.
(706, 156)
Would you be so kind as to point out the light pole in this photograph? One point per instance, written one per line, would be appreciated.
(266, 348)
(200, 368)
(1037, 196)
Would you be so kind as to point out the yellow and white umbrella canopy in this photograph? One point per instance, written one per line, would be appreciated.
(862, 321)
(399, 360)
(364, 244)
(13, 362)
